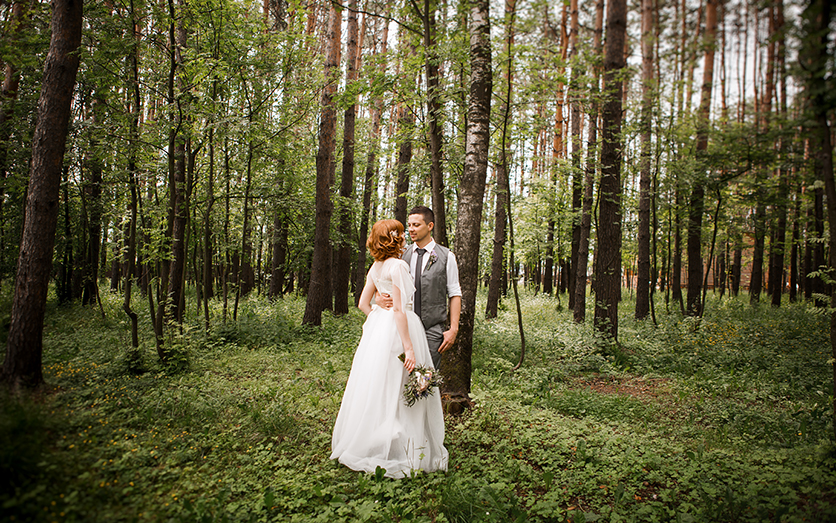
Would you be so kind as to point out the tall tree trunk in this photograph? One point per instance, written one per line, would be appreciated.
(576, 122)
(177, 271)
(502, 189)
(279, 257)
(208, 267)
(134, 101)
(92, 187)
(815, 235)
(557, 154)
(24, 349)
(579, 304)
(643, 279)
(245, 264)
(764, 121)
(406, 122)
(795, 281)
(696, 206)
(370, 173)
(319, 297)
(676, 254)
(549, 259)
(434, 114)
(777, 247)
(816, 42)
(342, 273)
(64, 285)
(736, 269)
(608, 270)
(457, 361)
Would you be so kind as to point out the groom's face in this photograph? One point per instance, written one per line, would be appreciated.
(419, 230)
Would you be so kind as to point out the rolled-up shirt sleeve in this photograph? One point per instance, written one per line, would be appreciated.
(453, 287)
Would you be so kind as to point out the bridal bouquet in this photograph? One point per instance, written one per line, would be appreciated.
(420, 383)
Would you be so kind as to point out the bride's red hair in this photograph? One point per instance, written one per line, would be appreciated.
(386, 240)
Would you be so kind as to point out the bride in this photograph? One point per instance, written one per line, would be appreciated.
(375, 428)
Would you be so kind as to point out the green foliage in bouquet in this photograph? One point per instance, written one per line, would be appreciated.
(420, 383)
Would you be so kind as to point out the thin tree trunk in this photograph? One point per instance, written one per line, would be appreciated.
(279, 257)
(370, 173)
(92, 187)
(246, 248)
(434, 114)
(208, 270)
(342, 272)
(502, 189)
(576, 122)
(794, 254)
(226, 258)
(319, 295)
(406, 121)
(776, 269)
(697, 202)
(134, 101)
(643, 279)
(589, 177)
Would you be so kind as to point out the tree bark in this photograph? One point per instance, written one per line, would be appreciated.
(370, 173)
(815, 44)
(643, 276)
(696, 206)
(406, 121)
(502, 189)
(795, 281)
(319, 298)
(576, 123)
(134, 101)
(177, 271)
(92, 189)
(245, 264)
(777, 247)
(608, 270)
(457, 361)
(342, 273)
(579, 305)
(434, 113)
(278, 273)
(22, 365)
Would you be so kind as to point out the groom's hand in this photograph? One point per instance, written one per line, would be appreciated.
(449, 339)
(384, 300)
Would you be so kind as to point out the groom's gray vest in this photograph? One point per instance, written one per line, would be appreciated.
(433, 287)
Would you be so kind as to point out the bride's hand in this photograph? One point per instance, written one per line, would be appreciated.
(409, 359)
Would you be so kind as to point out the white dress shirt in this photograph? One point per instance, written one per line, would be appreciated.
(453, 287)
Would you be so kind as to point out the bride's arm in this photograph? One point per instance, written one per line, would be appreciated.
(403, 329)
(365, 304)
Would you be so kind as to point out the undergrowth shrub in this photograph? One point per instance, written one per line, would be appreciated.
(735, 425)
(23, 429)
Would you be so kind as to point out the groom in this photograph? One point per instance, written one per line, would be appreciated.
(436, 283)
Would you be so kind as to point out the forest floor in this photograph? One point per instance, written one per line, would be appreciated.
(724, 419)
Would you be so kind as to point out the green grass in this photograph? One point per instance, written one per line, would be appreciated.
(727, 420)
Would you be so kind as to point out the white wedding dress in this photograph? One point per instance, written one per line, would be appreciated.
(374, 427)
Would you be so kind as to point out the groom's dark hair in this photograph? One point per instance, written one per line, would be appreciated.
(426, 212)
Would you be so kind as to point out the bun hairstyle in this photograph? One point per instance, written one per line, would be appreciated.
(386, 240)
